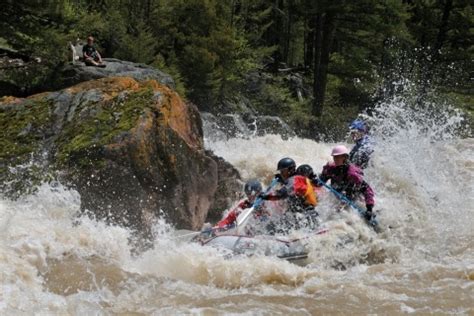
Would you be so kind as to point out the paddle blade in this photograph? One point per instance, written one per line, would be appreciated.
(243, 218)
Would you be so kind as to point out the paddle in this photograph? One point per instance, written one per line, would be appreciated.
(244, 216)
(188, 235)
(372, 222)
(241, 219)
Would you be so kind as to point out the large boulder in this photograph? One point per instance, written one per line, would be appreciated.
(229, 188)
(74, 73)
(133, 150)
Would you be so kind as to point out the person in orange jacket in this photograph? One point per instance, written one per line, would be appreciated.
(308, 173)
(297, 197)
(252, 189)
(293, 187)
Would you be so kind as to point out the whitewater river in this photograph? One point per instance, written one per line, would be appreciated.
(51, 262)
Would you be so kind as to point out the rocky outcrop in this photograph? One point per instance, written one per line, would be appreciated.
(16, 70)
(133, 150)
(229, 188)
(75, 73)
(225, 126)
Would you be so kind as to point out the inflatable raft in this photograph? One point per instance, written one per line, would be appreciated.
(283, 247)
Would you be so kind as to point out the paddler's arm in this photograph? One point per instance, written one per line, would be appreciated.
(363, 187)
(229, 219)
(275, 196)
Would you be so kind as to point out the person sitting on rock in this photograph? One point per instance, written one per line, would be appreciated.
(91, 55)
(252, 189)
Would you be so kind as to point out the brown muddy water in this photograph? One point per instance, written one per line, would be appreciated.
(423, 264)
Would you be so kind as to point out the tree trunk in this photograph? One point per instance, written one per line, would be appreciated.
(309, 43)
(443, 28)
(232, 11)
(286, 53)
(274, 35)
(318, 36)
(324, 36)
(148, 9)
(429, 65)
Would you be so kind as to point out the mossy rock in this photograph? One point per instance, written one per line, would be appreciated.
(132, 149)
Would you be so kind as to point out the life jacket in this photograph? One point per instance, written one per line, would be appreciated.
(349, 180)
(301, 193)
(311, 195)
(360, 154)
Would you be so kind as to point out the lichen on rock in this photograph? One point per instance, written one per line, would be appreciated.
(132, 149)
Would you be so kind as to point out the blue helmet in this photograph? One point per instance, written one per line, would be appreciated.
(252, 187)
(358, 125)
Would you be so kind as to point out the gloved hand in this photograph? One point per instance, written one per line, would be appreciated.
(282, 193)
(206, 229)
(369, 212)
(263, 196)
(316, 180)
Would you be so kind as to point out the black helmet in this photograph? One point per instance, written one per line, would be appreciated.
(252, 187)
(305, 170)
(286, 163)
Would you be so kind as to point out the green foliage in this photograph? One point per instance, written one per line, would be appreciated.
(330, 127)
(207, 52)
(171, 69)
(211, 46)
(137, 46)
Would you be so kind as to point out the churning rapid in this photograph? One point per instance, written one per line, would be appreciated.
(54, 262)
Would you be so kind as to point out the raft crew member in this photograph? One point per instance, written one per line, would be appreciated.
(91, 55)
(252, 189)
(347, 178)
(307, 172)
(363, 149)
(294, 188)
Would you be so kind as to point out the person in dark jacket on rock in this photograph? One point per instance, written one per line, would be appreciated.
(91, 55)
(364, 145)
(347, 178)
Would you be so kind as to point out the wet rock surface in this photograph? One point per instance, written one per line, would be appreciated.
(133, 150)
(77, 72)
(229, 188)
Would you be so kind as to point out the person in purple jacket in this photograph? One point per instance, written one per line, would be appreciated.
(347, 178)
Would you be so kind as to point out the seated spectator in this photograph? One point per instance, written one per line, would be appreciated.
(91, 55)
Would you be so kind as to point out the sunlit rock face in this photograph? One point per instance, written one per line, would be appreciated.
(133, 150)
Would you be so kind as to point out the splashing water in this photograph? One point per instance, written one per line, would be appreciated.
(54, 262)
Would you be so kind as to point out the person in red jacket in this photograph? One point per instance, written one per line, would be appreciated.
(252, 189)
